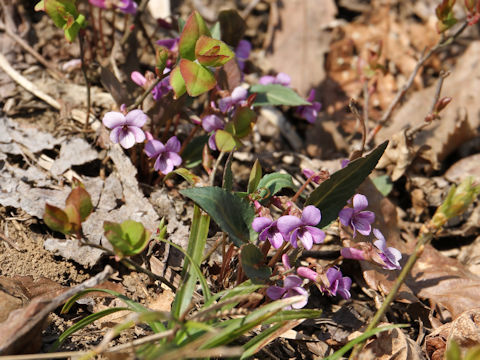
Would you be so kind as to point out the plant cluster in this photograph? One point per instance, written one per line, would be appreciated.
(263, 232)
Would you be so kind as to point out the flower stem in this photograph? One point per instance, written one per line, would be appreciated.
(84, 71)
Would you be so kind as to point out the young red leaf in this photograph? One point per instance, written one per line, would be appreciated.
(177, 82)
(56, 219)
(80, 199)
(193, 29)
(161, 58)
(74, 218)
(197, 78)
(212, 52)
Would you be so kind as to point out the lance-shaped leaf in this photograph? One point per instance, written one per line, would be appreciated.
(253, 263)
(332, 195)
(255, 176)
(232, 214)
(177, 83)
(276, 94)
(193, 29)
(128, 238)
(198, 79)
(212, 52)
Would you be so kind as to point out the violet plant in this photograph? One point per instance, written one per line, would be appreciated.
(258, 226)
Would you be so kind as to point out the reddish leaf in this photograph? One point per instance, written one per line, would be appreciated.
(193, 29)
(56, 219)
(198, 79)
(212, 52)
(79, 198)
(232, 26)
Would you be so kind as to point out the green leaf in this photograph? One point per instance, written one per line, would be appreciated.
(232, 214)
(225, 141)
(232, 27)
(161, 58)
(276, 94)
(192, 155)
(453, 351)
(84, 322)
(383, 184)
(198, 79)
(80, 199)
(253, 264)
(193, 29)
(196, 246)
(288, 315)
(227, 183)
(272, 183)
(215, 31)
(156, 326)
(255, 344)
(211, 52)
(177, 83)
(240, 326)
(128, 238)
(332, 195)
(186, 174)
(242, 122)
(56, 219)
(255, 177)
(338, 354)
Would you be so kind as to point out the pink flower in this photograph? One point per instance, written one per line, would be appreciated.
(212, 123)
(280, 79)
(125, 128)
(302, 229)
(389, 255)
(292, 286)
(310, 112)
(167, 155)
(338, 283)
(238, 96)
(358, 219)
(268, 230)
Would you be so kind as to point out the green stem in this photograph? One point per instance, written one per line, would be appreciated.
(87, 83)
(422, 241)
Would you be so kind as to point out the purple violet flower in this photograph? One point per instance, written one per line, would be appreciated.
(167, 155)
(127, 6)
(356, 218)
(307, 273)
(344, 163)
(268, 229)
(338, 283)
(238, 96)
(138, 78)
(292, 286)
(212, 123)
(125, 128)
(352, 253)
(98, 3)
(162, 88)
(302, 229)
(242, 52)
(170, 43)
(389, 255)
(280, 79)
(310, 112)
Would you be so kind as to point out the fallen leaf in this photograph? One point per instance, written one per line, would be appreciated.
(73, 152)
(393, 344)
(467, 166)
(300, 33)
(459, 120)
(464, 330)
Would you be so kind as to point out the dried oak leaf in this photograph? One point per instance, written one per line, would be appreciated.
(440, 279)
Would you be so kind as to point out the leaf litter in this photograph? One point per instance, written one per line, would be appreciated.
(445, 287)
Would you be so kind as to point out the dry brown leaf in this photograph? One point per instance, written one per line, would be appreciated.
(460, 118)
(300, 42)
(393, 344)
(442, 280)
(163, 301)
(464, 330)
(467, 166)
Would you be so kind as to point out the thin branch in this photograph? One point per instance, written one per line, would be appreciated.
(403, 90)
